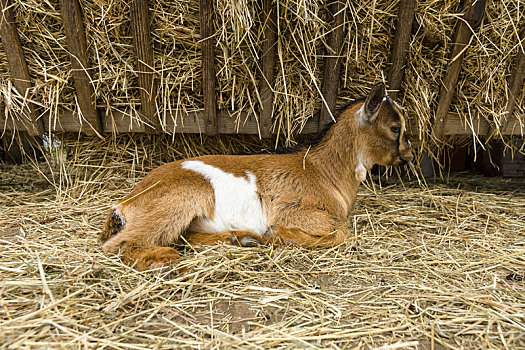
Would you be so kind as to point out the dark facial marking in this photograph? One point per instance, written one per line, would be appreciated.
(392, 110)
(394, 114)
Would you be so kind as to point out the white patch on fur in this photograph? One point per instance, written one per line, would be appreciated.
(362, 115)
(237, 205)
(363, 165)
(360, 172)
(363, 119)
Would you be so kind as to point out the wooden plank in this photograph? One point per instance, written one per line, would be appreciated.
(18, 148)
(144, 64)
(208, 66)
(77, 46)
(332, 69)
(17, 65)
(514, 126)
(510, 125)
(269, 50)
(455, 125)
(228, 123)
(405, 18)
(473, 14)
(517, 76)
(119, 122)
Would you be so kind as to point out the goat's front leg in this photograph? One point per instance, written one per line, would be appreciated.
(294, 235)
(307, 227)
(241, 238)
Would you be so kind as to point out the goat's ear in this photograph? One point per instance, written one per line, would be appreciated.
(373, 102)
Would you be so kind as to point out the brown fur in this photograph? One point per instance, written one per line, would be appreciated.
(306, 196)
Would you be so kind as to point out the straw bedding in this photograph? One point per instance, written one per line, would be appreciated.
(435, 266)
(302, 27)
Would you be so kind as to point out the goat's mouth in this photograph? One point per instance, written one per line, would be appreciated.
(401, 161)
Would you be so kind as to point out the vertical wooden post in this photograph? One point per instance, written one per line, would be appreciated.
(473, 15)
(17, 64)
(405, 18)
(77, 45)
(269, 49)
(332, 69)
(516, 78)
(140, 29)
(208, 66)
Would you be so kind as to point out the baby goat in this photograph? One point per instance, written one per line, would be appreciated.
(303, 198)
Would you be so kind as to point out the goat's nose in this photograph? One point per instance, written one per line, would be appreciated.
(411, 156)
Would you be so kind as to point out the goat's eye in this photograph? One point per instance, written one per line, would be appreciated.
(395, 129)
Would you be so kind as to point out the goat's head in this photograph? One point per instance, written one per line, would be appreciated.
(382, 130)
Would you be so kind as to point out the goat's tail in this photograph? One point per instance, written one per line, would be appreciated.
(114, 224)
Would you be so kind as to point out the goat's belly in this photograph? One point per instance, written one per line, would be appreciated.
(237, 203)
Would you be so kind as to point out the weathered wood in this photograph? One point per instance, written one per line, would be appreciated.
(497, 161)
(20, 147)
(17, 64)
(119, 122)
(455, 125)
(516, 79)
(227, 123)
(332, 69)
(269, 50)
(473, 14)
(77, 46)
(144, 64)
(405, 18)
(208, 66)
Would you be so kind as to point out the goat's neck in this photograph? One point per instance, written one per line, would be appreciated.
(339, 158)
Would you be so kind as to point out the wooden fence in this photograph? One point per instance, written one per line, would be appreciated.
(212, 121)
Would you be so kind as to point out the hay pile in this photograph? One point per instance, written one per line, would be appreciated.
(301, 49)
(432, 267)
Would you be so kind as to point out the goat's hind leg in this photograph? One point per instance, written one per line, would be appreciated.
(137, 249)
(143, 227)
(145, 257)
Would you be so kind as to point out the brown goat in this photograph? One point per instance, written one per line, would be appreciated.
(304, 197)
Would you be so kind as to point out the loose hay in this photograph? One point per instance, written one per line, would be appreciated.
(303, 27)
(437, 267)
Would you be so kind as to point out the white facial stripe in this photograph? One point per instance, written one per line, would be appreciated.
(397, 105)
(237, 205)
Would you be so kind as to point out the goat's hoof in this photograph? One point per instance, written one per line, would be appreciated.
(269, 232)
(246, 241)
